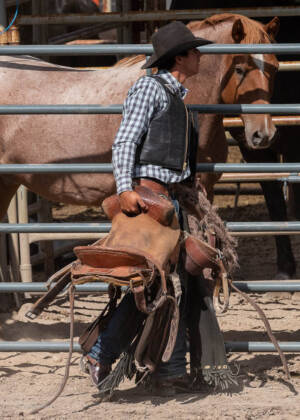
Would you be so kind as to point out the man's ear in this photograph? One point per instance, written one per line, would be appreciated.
(178, 59)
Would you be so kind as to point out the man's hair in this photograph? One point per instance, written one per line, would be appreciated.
(169, 64)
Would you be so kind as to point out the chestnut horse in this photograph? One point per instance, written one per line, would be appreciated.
(228, 78)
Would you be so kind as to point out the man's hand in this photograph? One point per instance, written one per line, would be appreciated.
(131, 203)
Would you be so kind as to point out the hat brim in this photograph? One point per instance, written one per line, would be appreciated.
(154, 60)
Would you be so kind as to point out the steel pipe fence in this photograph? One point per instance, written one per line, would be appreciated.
(104, 227)
(258, 286)
(150, 16)
(283, 227)
(231, 346)
(49, 168)
(111, 49)
(275, 109)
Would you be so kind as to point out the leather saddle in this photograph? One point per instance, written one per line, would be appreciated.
(137, 251)
(141, 249)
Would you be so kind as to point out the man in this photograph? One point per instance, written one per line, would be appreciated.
(154, 148)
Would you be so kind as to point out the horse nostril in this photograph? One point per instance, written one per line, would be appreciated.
(260, 139)
(256, 138)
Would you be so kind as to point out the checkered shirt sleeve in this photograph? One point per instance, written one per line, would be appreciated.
(144, 100)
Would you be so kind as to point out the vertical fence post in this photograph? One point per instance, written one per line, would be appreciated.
(46, 247)
(25, 265)
(39, 32)
(13, 247)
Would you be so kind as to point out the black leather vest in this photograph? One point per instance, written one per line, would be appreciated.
(171, 140)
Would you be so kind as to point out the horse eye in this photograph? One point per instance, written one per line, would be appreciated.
(239, 71)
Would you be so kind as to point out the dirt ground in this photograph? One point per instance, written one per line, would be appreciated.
(28, 380)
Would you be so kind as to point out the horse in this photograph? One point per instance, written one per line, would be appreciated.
(286, 90)
(227, 78)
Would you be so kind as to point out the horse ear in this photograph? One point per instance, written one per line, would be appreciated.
(272, 28)
(238, 33)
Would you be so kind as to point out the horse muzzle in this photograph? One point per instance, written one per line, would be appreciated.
(260, 138)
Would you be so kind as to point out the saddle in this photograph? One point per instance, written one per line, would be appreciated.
(140, 252)
(137, 251)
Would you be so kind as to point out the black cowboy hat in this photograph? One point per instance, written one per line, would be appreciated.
(171, 40)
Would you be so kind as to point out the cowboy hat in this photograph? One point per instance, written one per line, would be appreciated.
(171, 40)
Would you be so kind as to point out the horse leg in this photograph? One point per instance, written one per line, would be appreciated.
(291, 153)
(7, 191)
(275, 202)
(207, 181)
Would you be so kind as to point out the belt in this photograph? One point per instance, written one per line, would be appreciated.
(154, 185)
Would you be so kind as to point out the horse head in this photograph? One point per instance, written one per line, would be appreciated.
(241, 78)
(250, 78)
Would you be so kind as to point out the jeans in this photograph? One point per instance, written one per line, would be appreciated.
(115, 339)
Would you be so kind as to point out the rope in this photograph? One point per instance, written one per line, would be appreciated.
(268, 328)
(67, 368)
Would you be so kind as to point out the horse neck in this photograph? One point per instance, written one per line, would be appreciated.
(206, 88)
(207, 84)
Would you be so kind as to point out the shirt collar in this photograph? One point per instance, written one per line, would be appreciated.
(173, 83)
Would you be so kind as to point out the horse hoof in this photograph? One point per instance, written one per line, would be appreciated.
(282, 275)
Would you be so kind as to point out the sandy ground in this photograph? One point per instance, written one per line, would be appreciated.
(30, 379)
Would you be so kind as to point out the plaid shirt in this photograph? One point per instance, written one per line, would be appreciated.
(145, 99)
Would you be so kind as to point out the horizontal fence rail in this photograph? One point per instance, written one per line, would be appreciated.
(111, 49)
(150, 16)
(231, 346)
(236, 227)
(245, 286)
(49, 168)
(275, 109)
(286, 120)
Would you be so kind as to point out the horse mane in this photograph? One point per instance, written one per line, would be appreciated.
(129, 61)
(254, 30)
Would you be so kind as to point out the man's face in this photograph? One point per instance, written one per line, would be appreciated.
(189, 64)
